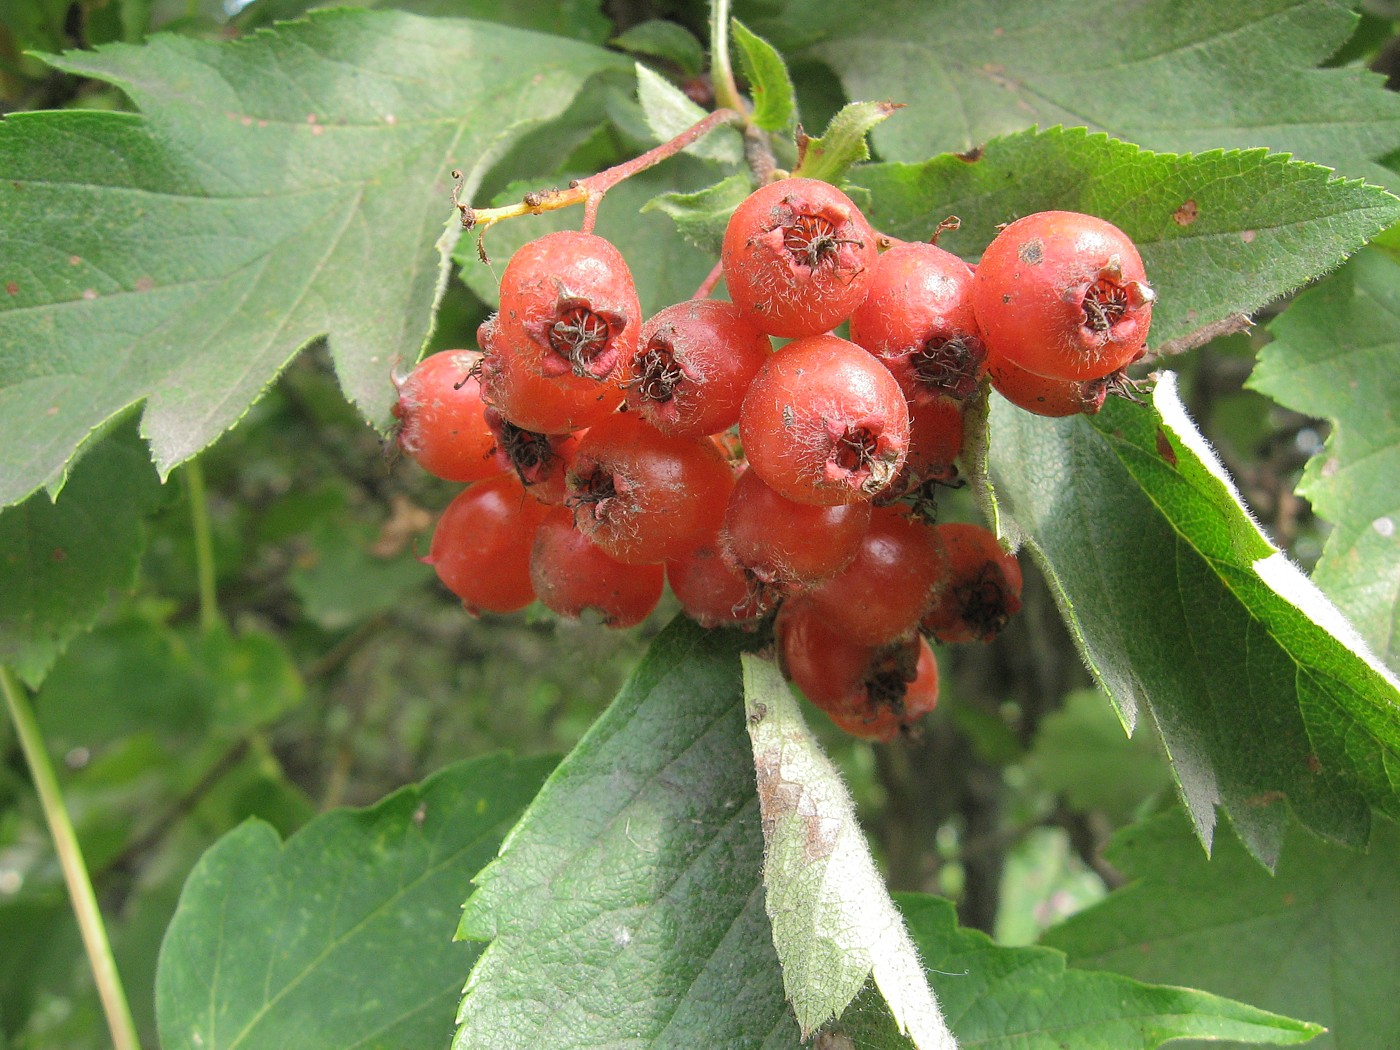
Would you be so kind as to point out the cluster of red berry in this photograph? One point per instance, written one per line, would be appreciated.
(609, 456)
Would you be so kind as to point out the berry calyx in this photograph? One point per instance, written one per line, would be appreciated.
(917, 318)
(1063, 295)
(981, 588)
(538, 460)
(571, 295)
(797, 256)
(824, 422)
(693, 365)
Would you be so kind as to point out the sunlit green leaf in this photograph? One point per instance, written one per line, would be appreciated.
(1175, 75)
(273, 190)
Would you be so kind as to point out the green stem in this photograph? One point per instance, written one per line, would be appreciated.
(70, 858)
(721, 71)
(193, 476)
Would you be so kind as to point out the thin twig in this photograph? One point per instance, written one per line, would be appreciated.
(590, 191)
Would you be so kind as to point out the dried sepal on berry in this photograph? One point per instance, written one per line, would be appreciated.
(797, 257)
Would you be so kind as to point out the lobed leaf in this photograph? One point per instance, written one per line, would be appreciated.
(834, 925)
(1318, 938)
(1221, 234)
(1265, 698)
(1335, 342)
(275, 190)
(340, 936)
(626, 908)
(1172, 75)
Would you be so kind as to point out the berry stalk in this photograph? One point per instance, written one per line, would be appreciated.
(590, 191)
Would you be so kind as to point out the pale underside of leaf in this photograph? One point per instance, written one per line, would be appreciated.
(834, 924)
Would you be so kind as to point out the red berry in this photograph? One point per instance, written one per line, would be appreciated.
(711, 592)
(645, 497)
(571, 296)
(441, 418)
(981, 589)
(886, 590)
(782, 546)
(870, 691)
(935, 443)
(1063, 295)
(797, 255)
(917, 318)
(824, 422)
(692, 367)
(1046, 397)
(481, 546)
(571, 575)
(539, 403)
(884, 711)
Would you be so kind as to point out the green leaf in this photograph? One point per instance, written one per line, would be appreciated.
(657, 38)
(339, 936)
(1334, 355)
(842, 144)
(834, 925)
(1081, 752)
(665, 268)
(276, 189)
(1173, 75)
(770, 86)
(1319, 938)
(627, 903)
(576, 19)
(1026, 999)
(60, 561)
(194, 684)
(669, 112)
(702, 217)
(1221, 234)
(1190, 619)
(343, 583)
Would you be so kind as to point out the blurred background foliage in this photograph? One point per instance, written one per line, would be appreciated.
(338, 670)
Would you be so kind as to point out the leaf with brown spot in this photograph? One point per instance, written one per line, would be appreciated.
(834, 925)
